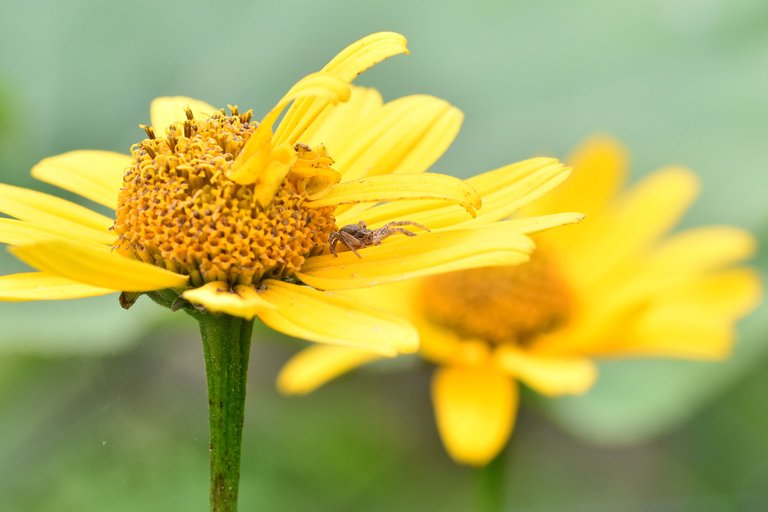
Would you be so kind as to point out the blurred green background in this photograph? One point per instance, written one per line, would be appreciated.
(103, 409)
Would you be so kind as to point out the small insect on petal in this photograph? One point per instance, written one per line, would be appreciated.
(358, 236)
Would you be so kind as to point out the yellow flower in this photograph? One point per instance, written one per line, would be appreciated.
(221, 213)
(616, 285)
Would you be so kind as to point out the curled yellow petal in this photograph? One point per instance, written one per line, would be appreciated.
(43, 286)
(365, 53)
(347, 65)
(314, 366)
(265, 162)
(304, 312)
(278, 165)
(503, 190)
(97, 265)
(313, 182)
(507, 189)
(475, 409)
(322, 84)
(168, 110)
(394, 187)
(549, 375)
(95, 175)
(218, 297)
(400, 257)
(315, 92)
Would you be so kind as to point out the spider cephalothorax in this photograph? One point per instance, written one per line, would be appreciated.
(358, 236)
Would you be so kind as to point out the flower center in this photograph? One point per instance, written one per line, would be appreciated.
(178, 210)
(499, 304)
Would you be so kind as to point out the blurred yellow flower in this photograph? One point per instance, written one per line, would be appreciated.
(232, 216)
(615, 285)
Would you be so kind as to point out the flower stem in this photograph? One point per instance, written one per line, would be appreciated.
(226, 344)
(490, 484)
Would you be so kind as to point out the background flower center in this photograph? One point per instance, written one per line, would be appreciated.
(499, 304)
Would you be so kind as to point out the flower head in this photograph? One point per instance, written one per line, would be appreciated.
(215, 211)
(616, 285)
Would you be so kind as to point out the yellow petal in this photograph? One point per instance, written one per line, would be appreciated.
(95, 175)
(549, 375)
(337, 123)
(634, 222)
(168, 110)
(365, 53)
(394, 187)
(314, 366)
(655, 204)
(347, 65)
(544, 222)
(430, 145)
(503, 190)
(698, 250)
(324, 87)
(20, 232)
(97, 265)
(218, 297)
(681, 260)
(328, 86)
(46, 209)
(437, 344)
(266, 162)
(43, 286)
(729, 293)
(278, 165)
(599, 170)
(695, 320)
(475, 410)
(313, 182)
(406, 135)
(400, 257)
(675, 332)
(304, 312)
(506, 189)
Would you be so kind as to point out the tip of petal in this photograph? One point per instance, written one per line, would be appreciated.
(367, 52)
(677, 176)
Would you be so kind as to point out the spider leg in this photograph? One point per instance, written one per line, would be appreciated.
(389, 232)
(351, 242)
(332, 241)
(403, 223)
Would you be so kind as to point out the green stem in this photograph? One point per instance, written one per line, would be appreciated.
(490, 484)
(226, 344)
